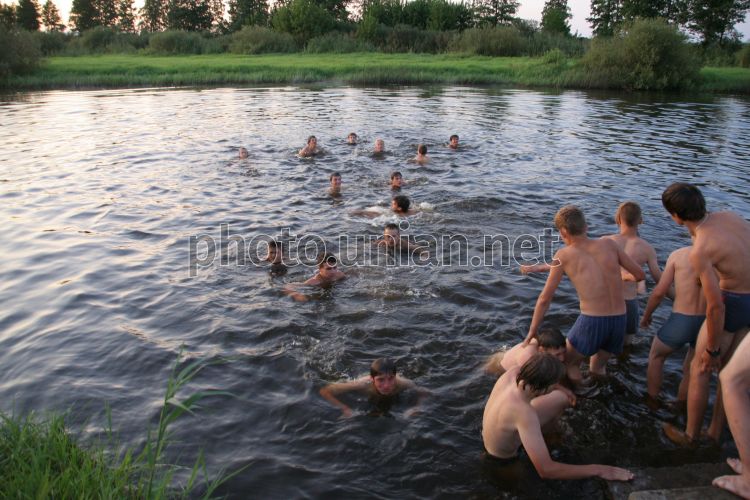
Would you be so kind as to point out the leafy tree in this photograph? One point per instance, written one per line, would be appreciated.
(337, 8)
(125, 16)
(153, 15)
(416, 13)
(555, 17)
(447, 16)
(107, 12)
(51, 17)
(494, 12)
(671, 10)
(27, 15)
(189, 15)
(387, 12)
(8, 15)
(247, 13)
(606, 16)
(304, 19)
(714, 20)
(83, 15)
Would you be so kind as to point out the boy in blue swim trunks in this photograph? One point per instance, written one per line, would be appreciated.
(628, 217)
(721, 258)
(683, 325)
(594, 268)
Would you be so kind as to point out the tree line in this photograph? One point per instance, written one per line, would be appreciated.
(713, 21)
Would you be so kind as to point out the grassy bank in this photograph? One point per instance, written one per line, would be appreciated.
(357, 69)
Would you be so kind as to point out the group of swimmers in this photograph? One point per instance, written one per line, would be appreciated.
(708, 282)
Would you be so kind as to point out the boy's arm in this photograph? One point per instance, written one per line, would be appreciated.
(422, 394)
(536, 268)
(659, 292)
(530, 432)
(544, 300)
(714, 308)
(653, 264)
(331, 391)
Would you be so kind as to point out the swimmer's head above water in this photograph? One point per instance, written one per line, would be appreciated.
(391, 234)
(396, 180)
(379, 146)
(383, 375)
(540, 373)
(453, 142)
(243, 153)
(352, 138)
(400, 204)
(335, 180)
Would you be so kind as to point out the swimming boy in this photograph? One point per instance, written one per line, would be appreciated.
(311, 149)
(352, 138)
(393, 240)
(453, 142)
(720, 256)
(243, 153)
(335, 180)
(548, 341)
(594, 268)
(627, 218)
(276, 258)
(381, 387)
(519, 406)
(327, 275)
(379, 146)
(397, 180)
(682, 326)
(421, 157)
(399, 204)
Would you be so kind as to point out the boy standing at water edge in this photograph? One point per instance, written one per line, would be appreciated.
(594, 268)
(521, 402)
(627, 218)
(721, 257)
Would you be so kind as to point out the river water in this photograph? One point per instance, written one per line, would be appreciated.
(105, 194)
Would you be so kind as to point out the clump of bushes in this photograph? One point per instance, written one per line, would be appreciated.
(650, 54)
(51, 42)
(175, 42)
(498, 41)
(260, 40)
(337, 43)
(105, 40)
(743, 56)
(20, 51)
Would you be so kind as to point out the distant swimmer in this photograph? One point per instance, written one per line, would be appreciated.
(311, 149)
(397, 180)
(243, 153)
(382, 388)
(327, 275)
(628, 217)
(393, 240)
(421, 157)
(352, 138)
(276, 258)
(720, 256)
(335, 180)
(453, 142)
(682, 326)
(379, 147)
(594, 268)
(548, 341)
(519, 406)
(400, 205)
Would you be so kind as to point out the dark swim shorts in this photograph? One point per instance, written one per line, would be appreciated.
(590, 334)
(633, 312)
(737, 311)
(503, 461)
(680, 329)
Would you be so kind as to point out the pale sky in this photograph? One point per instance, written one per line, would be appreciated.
(529, 9)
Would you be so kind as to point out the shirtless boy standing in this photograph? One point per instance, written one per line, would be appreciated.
(628, 217)
(720, 257)
(519, 405)
(682, 326)
(594, 268)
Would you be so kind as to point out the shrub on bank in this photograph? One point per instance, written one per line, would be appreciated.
(175, 42)
(260, 40)
(499, 41)
(104, 40)
(405, 38)
(650, 54)
(743, 56)
(52, 42)
(337, 43)
(20, 51)
(541, 42)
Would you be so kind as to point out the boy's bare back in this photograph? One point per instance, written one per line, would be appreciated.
(642, 253)
(689, 298)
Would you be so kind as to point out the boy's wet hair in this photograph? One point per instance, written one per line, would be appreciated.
(324, 257)
(395, 174)
(452, 137)
(550, 337)
(540, 372)
(629, 213)
(274, 244)
(422, 149)
(311, 138)
(335, 174)
(684, 200)
(391, 225)
(382, 366)
(402, 202)
(572, 219)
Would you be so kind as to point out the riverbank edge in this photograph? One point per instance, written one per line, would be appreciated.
(372, 69)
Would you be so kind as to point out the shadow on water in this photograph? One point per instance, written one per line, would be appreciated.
(103, 190)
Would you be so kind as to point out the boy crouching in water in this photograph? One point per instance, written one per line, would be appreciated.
(594, 268)
(519, 405)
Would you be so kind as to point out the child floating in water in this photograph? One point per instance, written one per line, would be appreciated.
(335, 180)
(352, 138)
(453, 142)
(311, 149)
(400, 205)
(421, 157)
(381, 387)
(327, 275)
(276, 258)
(397, 180)
(243, 153)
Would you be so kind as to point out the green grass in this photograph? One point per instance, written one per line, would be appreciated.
(354, 69)
(39, 458)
